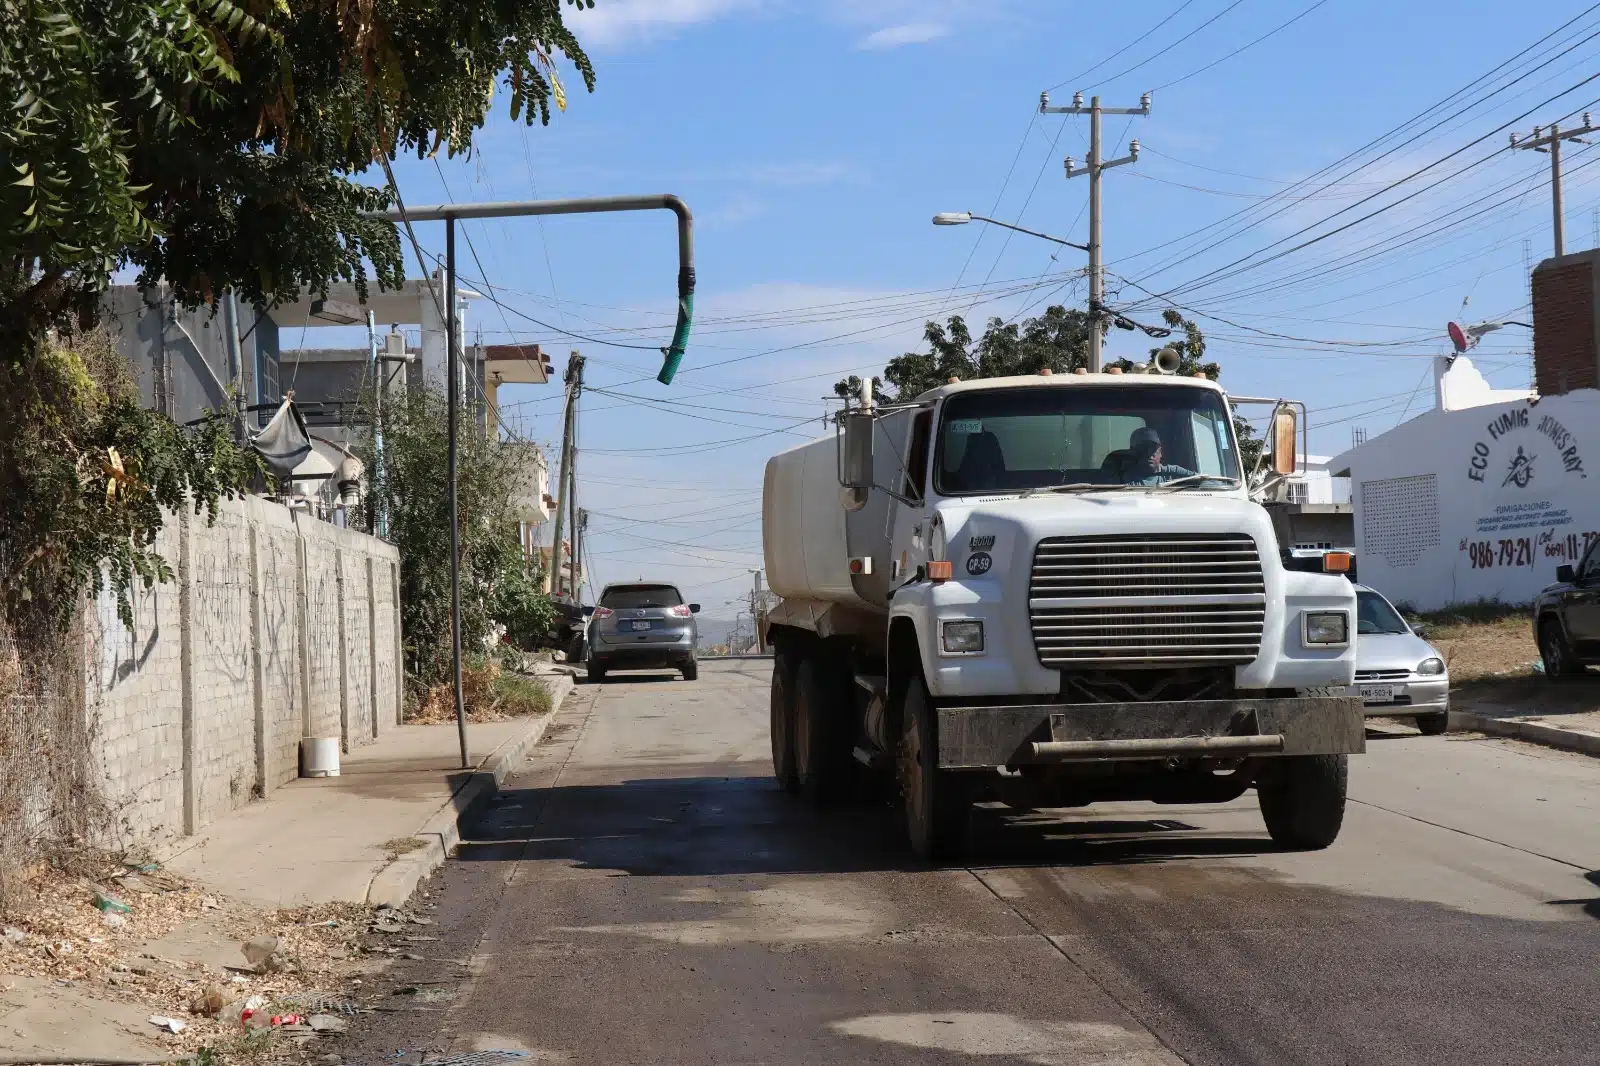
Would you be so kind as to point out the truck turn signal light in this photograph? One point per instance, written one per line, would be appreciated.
(941, 570)
(1336, 562)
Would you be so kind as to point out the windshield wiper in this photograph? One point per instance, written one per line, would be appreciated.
(1076, 486)
(1194, 479)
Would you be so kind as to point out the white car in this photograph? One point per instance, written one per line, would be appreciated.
(1400, 675)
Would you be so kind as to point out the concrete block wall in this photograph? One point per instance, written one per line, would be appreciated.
(276, 627)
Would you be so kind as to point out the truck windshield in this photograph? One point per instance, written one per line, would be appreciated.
(1011, 440)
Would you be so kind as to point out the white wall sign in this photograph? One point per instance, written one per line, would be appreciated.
(1483, 503)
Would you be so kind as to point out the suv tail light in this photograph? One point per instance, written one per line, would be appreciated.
(603, 612)
(680, 611)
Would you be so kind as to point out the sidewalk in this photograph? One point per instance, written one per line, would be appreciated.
(1557, 712)
(77, 990)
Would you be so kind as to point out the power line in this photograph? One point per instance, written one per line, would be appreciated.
(1085, 73)
(1151, 59)
(1276, 29)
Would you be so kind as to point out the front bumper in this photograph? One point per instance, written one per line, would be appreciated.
(1419, 694)
(982, 737)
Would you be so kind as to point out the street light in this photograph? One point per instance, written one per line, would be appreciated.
(961, 218)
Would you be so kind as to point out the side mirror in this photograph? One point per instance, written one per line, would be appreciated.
(859, 428)
(694, 608)
(1419, 629)
(1282, 434)
(1565, 574)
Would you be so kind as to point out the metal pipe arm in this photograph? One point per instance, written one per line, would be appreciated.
(585, 206)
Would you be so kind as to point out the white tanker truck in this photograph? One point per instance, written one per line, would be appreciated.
(1053, 590)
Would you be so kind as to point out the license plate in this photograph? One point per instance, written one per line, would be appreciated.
(639, 625)
(1377, 693)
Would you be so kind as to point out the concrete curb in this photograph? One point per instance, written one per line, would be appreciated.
(440, 835)
(1536, 732)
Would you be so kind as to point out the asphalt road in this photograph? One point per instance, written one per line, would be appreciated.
(642, 893)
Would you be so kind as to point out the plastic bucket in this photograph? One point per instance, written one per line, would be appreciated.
(319, 757)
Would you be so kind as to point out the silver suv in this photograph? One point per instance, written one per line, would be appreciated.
(643, 625)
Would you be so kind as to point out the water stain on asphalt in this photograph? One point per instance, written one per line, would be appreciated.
(1047, 1043)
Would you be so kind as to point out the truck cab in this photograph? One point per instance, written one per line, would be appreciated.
(1054, 589)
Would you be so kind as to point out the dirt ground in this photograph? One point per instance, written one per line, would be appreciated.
(1491, 654)
(176, 953)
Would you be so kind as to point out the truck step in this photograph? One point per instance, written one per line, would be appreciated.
(875, 684)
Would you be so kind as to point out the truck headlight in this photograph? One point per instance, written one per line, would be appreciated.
(962, 637)
(1326, 627)
(1431, 667)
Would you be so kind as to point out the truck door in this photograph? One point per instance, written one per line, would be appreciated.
(1581, 605)
(867, 530)
(908, 534)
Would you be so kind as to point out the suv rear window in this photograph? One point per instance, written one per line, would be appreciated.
(627, 596)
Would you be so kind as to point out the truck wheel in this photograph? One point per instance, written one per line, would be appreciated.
(936, 801)
(818, 745)
(1556, 652)
(1433, 725)
(782, 721)
(1302, 799)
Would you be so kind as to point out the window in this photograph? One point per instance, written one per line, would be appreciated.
(625, 597)
(917, 463)
(1007, 440)
(1589, 569)
(1375, 616)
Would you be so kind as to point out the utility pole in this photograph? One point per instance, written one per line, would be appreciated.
(757, 602)
(1548, 139)
(1094, 167)
(579, 525)
(574, 380)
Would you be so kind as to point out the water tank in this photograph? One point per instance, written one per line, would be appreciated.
(802, 525)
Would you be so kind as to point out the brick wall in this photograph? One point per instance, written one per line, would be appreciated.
(276, 627)
(1565, 354)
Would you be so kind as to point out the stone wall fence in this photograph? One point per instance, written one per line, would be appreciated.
(277, 627)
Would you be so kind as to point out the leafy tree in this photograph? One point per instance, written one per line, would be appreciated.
(1057, 339)
(498, 585)
(216, 144)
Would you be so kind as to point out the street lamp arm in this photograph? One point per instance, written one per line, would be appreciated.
(1029, 232)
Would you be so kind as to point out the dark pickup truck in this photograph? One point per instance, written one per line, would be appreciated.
(1566, 617)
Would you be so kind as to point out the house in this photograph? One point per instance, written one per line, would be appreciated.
(1485, 495)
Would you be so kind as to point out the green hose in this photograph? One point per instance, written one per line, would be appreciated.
(680, 340)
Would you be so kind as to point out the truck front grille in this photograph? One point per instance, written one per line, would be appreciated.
(1158, 600)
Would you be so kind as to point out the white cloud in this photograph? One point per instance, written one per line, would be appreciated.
(615, 23)
(902, 35)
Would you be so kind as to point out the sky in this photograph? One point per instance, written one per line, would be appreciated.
(814, 141)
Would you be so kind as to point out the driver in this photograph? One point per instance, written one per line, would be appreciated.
(1145, 466)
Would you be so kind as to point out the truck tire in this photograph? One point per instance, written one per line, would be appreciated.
(936, 801)
(1556, 652)
(782, 721)
(819, 743)
(1302, 799)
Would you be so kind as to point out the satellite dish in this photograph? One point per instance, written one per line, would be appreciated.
(1458, 337)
